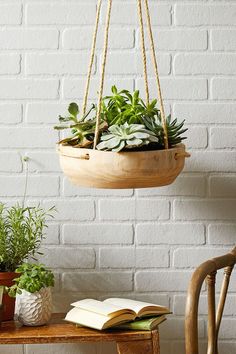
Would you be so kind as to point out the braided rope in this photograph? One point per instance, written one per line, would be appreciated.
(103, 73)
(162, 110)
(140, 13)
(91, 57)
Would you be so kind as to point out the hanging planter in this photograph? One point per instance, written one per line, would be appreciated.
(122, 142)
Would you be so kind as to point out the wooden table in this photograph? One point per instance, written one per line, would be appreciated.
(59, 331)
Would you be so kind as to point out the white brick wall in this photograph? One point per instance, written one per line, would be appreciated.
(142, 244)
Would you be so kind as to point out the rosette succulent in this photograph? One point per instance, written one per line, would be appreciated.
(126, 136)
(174, 130)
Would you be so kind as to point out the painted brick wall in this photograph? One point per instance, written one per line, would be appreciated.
(142, 244)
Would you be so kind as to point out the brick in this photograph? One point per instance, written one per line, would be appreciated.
(164, 63)
(44, 113)
(183, 186)
(227, 328)
(197, 137)
(27, 137)
(180, 39)
(223, 88)
(59, 13)
(13, 348)
(82, 209)
(192, 234)
(152, 257)
(223, 186)
(81, 38)
(10, 14)
(72, 87)
(10, 113)
(43, 161)
(98, 282)
(188, 257)
(146, 209)
(227, 347)
(71, 190)
(101, 234)
(211, 161)
(222, 138)
(200, 64)
(174, 329)
(37, 186)
(161, 13)
(10, 64)
(178, 88)
(204, 113)
(204, 14)
(223, 39)
(222, 234)
(81, 348)
(28, 89)
(162, 280)
(28, 38)
(205, 209)
(180, 302)
(117, 257)
(10, 162)
(52, 234)
(65, 257)
(56, 64)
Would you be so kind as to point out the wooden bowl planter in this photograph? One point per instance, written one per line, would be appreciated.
(137, 169)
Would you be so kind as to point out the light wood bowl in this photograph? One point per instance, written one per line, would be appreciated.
(105, 169)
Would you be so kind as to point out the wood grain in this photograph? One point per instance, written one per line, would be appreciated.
(106, 169)
(59, 331)
(135, 347)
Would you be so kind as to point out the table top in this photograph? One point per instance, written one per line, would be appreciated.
(60, 331)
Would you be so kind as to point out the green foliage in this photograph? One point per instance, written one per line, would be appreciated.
(126, 136)
(82, 129)
(33, 277)
(174, 129)
(120, 112)
(21, 234)
(123, 107)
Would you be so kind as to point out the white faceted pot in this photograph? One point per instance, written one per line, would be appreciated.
(34, 309)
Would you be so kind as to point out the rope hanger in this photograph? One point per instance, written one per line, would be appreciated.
(104, 58)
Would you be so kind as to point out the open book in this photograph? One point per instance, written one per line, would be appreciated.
(111, 312)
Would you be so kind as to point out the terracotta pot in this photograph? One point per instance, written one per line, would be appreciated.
(6, 278)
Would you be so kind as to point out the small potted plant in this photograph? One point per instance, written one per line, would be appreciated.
(21, 234)
(32, 290)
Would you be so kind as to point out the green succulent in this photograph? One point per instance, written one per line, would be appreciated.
(174, 129)
(122, 107)
(83, 129)
(126, 136)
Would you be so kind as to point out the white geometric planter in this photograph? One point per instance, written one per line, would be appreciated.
(34, 309)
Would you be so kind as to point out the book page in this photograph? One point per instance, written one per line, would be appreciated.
(100, 307)
(136, 306)
(95, 320)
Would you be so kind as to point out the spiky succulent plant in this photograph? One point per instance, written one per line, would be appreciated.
(126, 136)
(174, 129)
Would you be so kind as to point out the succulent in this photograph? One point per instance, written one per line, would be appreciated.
(174, 130)
(126, 123)
(122, 107)
(126, 136)
(82, 129)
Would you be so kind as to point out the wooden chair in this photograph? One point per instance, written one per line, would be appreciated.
(207, 271)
